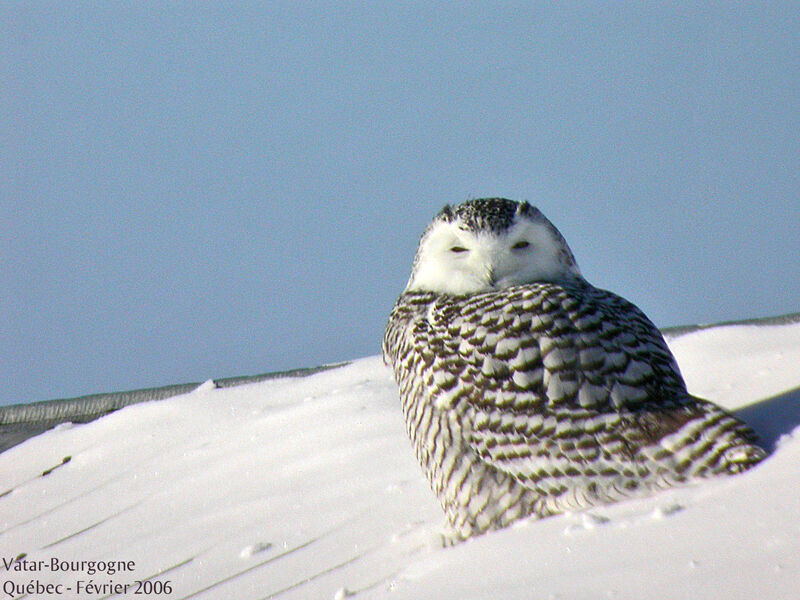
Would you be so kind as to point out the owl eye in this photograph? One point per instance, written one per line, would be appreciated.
(520, 245)
(458, 249)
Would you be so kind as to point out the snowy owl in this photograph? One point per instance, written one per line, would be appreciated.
(529, 392)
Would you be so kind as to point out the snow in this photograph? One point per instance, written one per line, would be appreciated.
(308, 488)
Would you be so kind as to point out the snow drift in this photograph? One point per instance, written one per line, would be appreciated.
(307, 488)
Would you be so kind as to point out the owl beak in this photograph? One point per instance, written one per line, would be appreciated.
(491, 277)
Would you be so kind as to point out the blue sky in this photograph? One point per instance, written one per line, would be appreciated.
(191, 190)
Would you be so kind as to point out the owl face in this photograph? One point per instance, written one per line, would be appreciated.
(489, 245)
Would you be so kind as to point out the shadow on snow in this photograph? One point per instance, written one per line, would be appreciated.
(773, 417)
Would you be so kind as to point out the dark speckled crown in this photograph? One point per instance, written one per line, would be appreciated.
(492, 214)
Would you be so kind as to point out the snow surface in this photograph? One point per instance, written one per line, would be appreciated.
(308, 488)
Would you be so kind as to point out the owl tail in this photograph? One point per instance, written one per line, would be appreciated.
(740, 458)
(738, 442)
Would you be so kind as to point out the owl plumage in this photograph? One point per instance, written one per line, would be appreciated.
(526, 390)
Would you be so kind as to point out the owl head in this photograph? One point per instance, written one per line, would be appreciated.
(490, 244)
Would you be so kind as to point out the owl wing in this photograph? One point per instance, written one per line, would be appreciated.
(553, 346)
(558, 383)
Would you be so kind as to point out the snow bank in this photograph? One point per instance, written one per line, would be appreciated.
(308, 488)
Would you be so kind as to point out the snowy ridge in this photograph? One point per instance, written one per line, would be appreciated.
(308, 488)
(19, 422)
